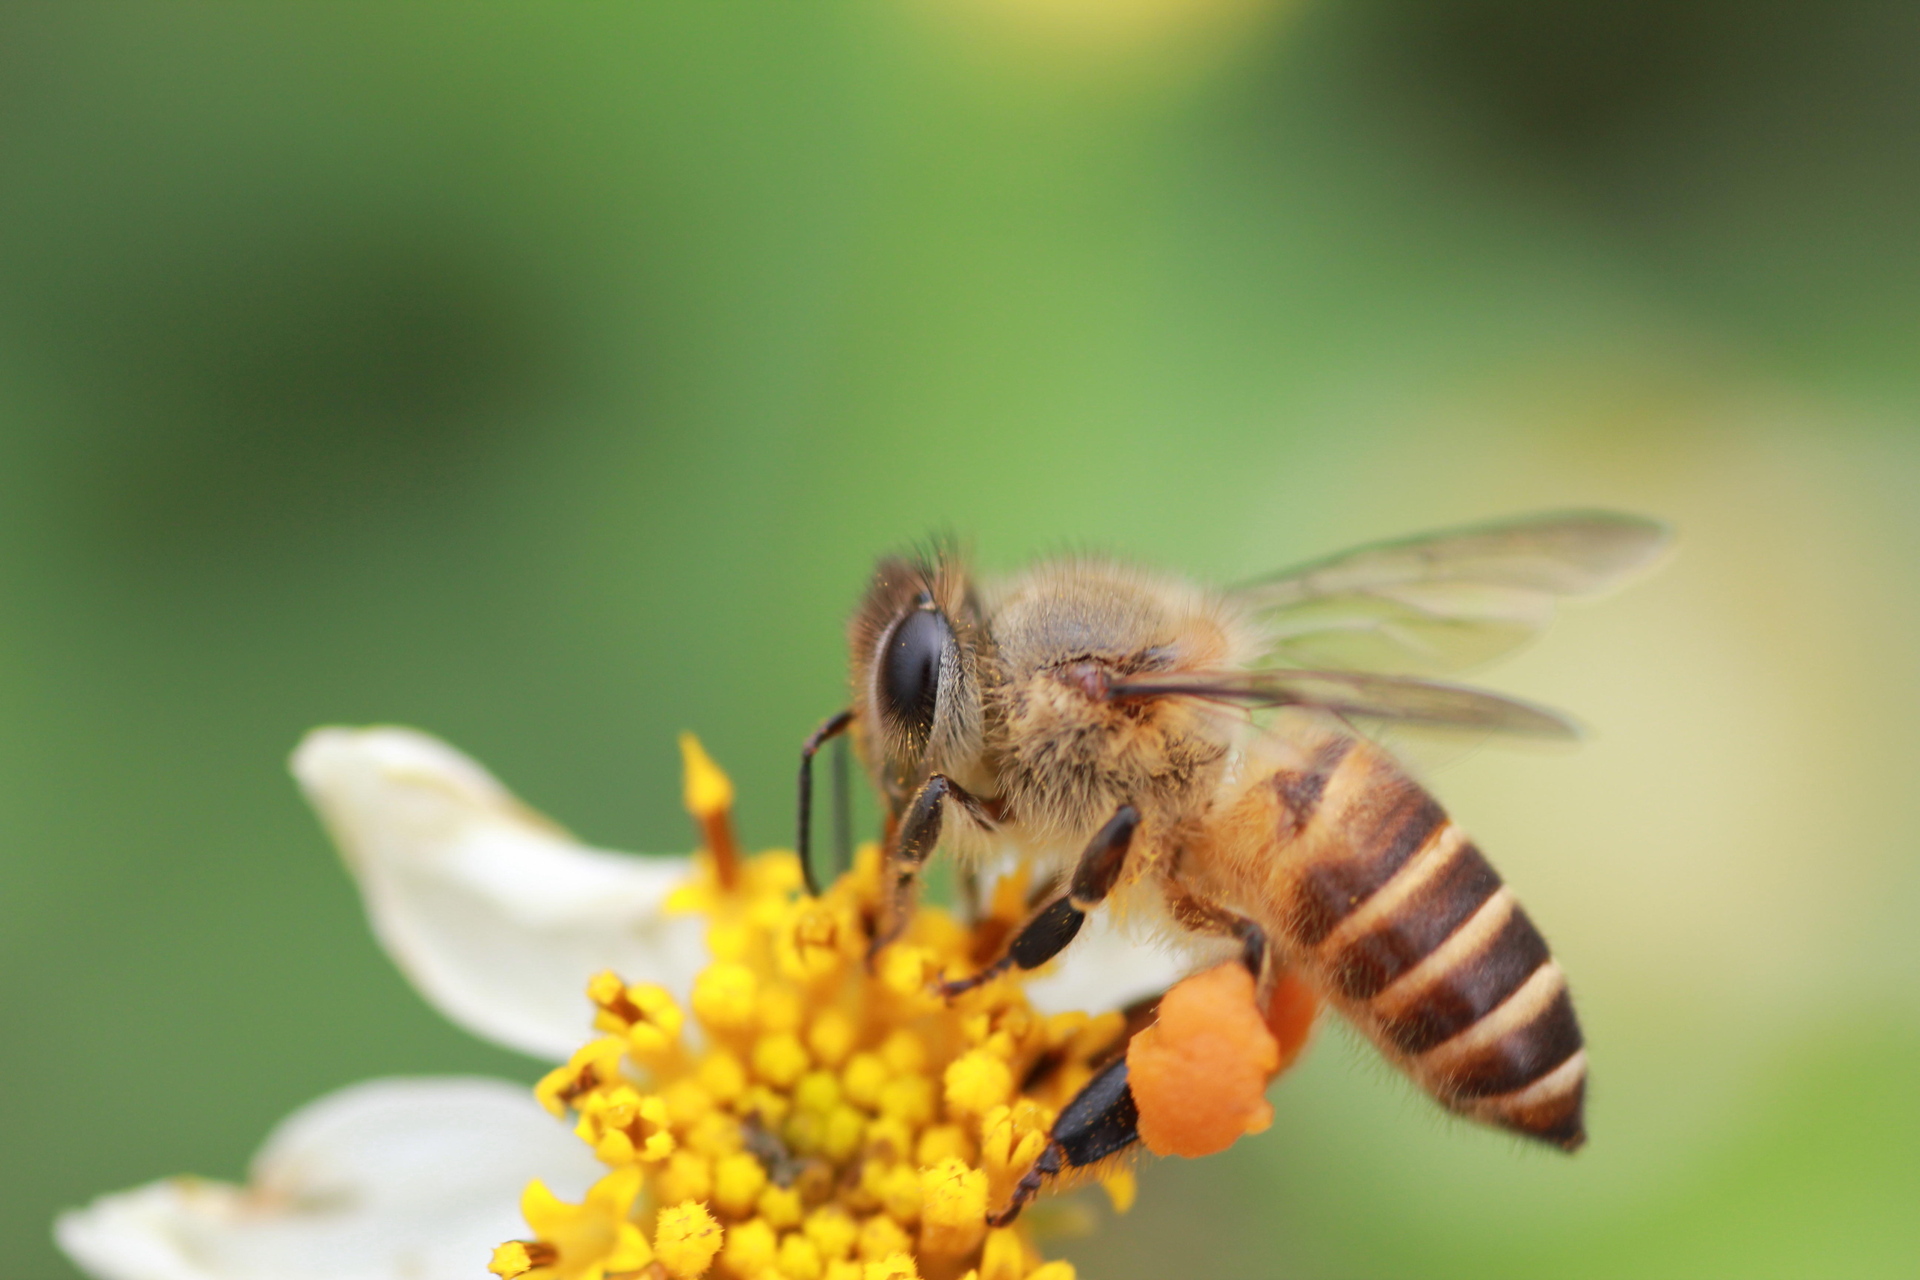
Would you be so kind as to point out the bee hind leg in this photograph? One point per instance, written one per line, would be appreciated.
(1204, 916)
(1100, 1121)
(1049, 931)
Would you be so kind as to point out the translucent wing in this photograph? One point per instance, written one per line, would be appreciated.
(1352, 694)
(1447, 601)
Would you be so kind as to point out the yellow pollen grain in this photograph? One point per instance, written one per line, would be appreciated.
(846, 1130)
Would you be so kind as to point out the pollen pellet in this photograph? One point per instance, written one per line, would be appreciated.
(1200, 1073)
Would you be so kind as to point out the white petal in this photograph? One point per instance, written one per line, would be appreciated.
(1109, 966)
(388, 1180)
(496, 915)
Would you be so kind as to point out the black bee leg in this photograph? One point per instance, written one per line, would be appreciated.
(1100, 1121)
(832, 727)
(919, 836)
(1200, 915)
(1047, 934)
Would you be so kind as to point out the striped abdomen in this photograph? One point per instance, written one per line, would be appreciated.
(1413, 936)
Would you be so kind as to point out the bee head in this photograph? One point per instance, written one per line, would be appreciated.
(915, 688)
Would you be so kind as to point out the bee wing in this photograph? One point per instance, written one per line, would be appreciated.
(1358, 695)
(1443, 602)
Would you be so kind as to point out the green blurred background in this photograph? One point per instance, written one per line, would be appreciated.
(546, 377)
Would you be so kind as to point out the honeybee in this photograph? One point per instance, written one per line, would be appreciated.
(1190, 756)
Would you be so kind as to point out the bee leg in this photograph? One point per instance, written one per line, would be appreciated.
(919, 836)
(1256, 952)
(832, 727)
(1047, 934)
(1100, 1121)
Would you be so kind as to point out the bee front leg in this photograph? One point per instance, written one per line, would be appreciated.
(1100, 1121)
(919, 836)
(1047, 934)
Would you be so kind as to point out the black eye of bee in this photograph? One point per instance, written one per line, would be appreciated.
(909, 685)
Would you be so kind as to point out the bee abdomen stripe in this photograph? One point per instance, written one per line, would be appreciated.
(1364, 844)
(1300, 791)
(1514, 1048)
(1550, 1108)
(1409, 928)
(1470, 989)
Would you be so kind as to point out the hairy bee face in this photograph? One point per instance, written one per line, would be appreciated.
(916, 690)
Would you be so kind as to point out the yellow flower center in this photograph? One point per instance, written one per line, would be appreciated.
(832, 1119)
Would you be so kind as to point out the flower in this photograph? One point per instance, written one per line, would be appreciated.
(504, 922)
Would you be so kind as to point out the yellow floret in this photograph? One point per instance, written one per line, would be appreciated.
(832, 1230)
(780, 1207)
(737, 1182)
(864, 1076)
(1052, 1271)
(751, 1247)
(1004, 1258)
(687, 1176)
(779, 1058)
(831, 1037)
(953, 1214)
(686, 1240)
(977, 1082)
(908, 1099)
(724, 996)
(818, 1091)
(881, 1236)
(799, 1258)
(895, 1266)
(722, 1075)
(942, 1142)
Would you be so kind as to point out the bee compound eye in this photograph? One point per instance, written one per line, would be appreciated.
(910, 663)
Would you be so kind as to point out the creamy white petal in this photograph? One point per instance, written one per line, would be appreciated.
(1109, 966)
(387, 1180)
(497, 915)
